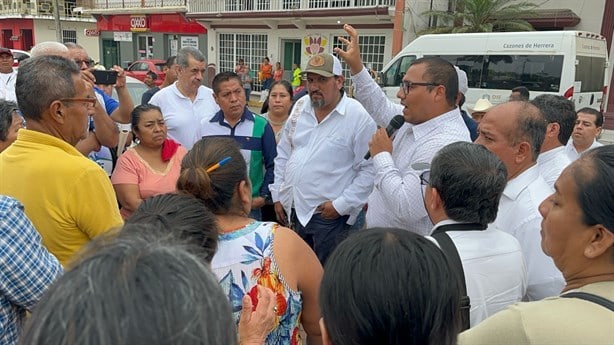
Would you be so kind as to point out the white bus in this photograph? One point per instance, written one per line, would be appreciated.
(568, 63)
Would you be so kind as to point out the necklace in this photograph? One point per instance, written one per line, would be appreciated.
(281, 123)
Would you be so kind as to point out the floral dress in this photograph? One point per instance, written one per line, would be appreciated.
(245, 259)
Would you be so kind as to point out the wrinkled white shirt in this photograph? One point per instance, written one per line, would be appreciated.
(573, 154)
(519, 216)
(182, 116)
(551, 164)
(396, 200)
(495, 273)
(325, 161)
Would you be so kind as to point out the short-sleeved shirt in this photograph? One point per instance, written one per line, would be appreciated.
(182, 116)
(133, 169)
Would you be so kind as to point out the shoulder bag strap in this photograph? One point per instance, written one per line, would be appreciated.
(448, 247)
(604, 302)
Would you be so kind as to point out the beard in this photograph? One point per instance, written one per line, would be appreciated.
(316, 103)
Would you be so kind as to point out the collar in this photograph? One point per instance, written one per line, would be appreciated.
(550, 154)
(199, 94)
(246, 116)
(452, 225)
(519, 183)
(424, 129)
(28, 135)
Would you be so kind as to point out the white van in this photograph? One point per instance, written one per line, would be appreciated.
(568, 63)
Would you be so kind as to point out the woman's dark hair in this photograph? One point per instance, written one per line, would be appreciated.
(7, 109)
(389, 286)
(593, 173)
(183, 216)
(286, 84)
(135, 116)
(133, 290)
(216, 188)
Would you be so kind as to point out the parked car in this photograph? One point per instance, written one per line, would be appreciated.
(136, 88)
(139, 69)
(18, 56)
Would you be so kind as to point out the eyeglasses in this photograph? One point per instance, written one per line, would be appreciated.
(88, 101)
(88, 63)
(425, 178)
(406, 85)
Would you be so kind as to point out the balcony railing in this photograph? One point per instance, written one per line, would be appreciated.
(113, 4)
(41, 8)
(220, 6)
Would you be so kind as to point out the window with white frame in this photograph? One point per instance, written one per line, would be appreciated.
(69, 36)
(371, 50)
(252, 48)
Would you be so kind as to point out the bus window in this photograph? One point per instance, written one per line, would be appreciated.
(589, 71)
(536, 72)
(471, 64)
(394, 75)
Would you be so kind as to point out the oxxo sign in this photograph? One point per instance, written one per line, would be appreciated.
(139, 23)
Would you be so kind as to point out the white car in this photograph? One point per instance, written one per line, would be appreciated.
(136, 88)
(18, 56)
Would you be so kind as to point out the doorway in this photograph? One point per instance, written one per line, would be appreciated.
(291, 53)
(110, 53)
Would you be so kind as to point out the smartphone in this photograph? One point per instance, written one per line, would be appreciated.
(105, 77)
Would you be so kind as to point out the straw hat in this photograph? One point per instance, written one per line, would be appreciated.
(480, 106)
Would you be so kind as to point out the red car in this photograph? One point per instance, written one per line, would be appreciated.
(139, 69)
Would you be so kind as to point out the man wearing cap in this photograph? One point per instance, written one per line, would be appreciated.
(463, 87)
(479, 109)
(432, 120)
(7, 75)
(322, 180)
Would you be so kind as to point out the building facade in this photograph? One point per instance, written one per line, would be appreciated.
(144, 29)
(23, 23)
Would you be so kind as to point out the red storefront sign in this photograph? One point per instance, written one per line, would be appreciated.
(139, 23)
(167, 23)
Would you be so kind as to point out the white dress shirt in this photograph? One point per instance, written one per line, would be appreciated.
(7, 86)
(325, 161)
(573, 154)
(551, 164)
(182, 116)
(396, 200)
(519, 216)
(495, 273)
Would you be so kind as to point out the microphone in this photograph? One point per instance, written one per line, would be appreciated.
(396, 123)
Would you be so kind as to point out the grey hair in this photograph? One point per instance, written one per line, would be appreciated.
(71, 45)
(470, 180)
(42, 80)
(558, 109)
(133, 290)
(530, 127)
(49, 48)
(184, 54)
(7, 109)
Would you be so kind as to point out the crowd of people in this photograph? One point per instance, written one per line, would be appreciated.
(327, 219)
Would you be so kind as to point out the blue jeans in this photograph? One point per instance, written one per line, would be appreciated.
(322, 235)
(266, 84)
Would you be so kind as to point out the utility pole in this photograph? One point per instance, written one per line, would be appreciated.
(56, 18)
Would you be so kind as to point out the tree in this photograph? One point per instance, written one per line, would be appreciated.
(482, 16)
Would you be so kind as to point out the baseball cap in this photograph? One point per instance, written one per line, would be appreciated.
(463, 85)
(6, 51)
(325, 64)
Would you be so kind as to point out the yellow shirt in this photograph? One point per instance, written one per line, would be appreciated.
(68, 197)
